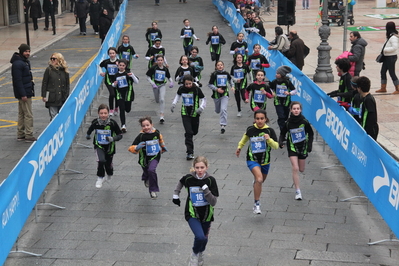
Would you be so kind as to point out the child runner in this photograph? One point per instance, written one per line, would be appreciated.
(183, 70)
(283, 90)
(345, 91)
(260, 91)
(188, 36)
(239, 71)
(157, 76)
(153, 51)
(126, 51)
(196, 63)
(152, 34)
(107, 132)
(149, 144)
(257, 60)
(194, 103)
(216, 39)
(299, 135)
(239, 47)
(199, 208)
(219, 84)
(262, 139)
(124, 90)
(111, 68)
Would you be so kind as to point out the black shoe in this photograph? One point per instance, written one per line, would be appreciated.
(190, 157)
(45, 29)
(222, 130)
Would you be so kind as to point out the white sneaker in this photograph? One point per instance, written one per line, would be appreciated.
(257, 209)
(116, 111)
(109, 178)
(111, 112)
(99, 182)
(193, 260)
(298, 196)
(124, 130)
(153, 195)
(200, 258)
(239, 114)
(161, 120)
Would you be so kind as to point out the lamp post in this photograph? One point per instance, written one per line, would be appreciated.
(26, 8)
(324, 71)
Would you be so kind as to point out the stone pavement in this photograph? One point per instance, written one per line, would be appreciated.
(120, 225)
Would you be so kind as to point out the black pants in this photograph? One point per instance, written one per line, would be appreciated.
(104, 163)
(34, 20)
(46, 19)
(191, 125)
(239, 94)
(111, 97)
(95, 28)
(82, 24)
(282, 113)
(389, 65)
(124, 106)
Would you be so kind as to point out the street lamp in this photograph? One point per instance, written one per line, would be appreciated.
(324, 71)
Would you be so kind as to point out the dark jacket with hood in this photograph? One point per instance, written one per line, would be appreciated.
(22, 80)
(105, 24)
(358, 50)
(50, 8)
(56, 83)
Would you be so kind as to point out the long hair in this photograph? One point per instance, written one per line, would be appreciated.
(199, 159)
(391, 29)
(61, 63)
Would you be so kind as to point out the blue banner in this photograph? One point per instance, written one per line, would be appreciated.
(373, 169)
(20, 191)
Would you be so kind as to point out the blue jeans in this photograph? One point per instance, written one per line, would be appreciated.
(201, 231)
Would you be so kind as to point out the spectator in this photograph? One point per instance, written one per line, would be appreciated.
(258, 27)
(35, 12)
(358, 50)
(107, 4)
(49, 9)
(22, 82)
(81, 11)
(117, 4)
(55, 84)
(95, 12)
(281, 43)
(296, 52)
(105, 24)
(72, 3)
(389, 51)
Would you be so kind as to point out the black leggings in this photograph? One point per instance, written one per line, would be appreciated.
(111, 97)
(239, 94)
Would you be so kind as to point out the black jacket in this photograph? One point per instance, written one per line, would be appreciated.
(35, 9)
(81, 9)
(22, 80)
(49, 7)
(95, 12)
(105, 24)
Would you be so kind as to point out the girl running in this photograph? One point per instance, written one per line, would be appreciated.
(299, 134)
(202, 197)
(216, 39)
(107, 132)
(126, 51)
(257, 60)
(196, 63)
(239, 47)
(194, 103)
(111, 68)
(152, 34)
(239, 71)
(149, 144)
(183, 70)
(188, 36)
(219, 83)
(153, 52)
(259, 90)
(262, 139)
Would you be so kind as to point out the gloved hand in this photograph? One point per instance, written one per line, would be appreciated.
(140, 145)
(200, 84)
(204, 187)
(281, 145)
(154, 86)
(88, 136)
(172, 108)
(344, 104)
(176, 201)
(333, 94)
(109, 139)
(164, 149)
(258, 65)
(199, 110)
(171, 85)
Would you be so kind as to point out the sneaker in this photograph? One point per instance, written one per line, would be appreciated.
(193, 260)
(146, 183)
(190, 156)
(111, 112)
(153, 195)
(124, 129)
(109, 178)
(200, 258)
(257, 209)
(31, 139)
(239, 114)
(96, 33)
(99, 182)
(116, 111)
(222, 130)
(298, 196)
(161, 120)
(84, 33)
(21, 138)
(45, 29)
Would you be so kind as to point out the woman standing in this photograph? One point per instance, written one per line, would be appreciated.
(389, 50)
(105, 24)
(55, 85)
(95, 11)
(35, 12)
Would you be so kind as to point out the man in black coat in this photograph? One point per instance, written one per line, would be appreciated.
(81, 11)
(49, 9)
(296, 52)
(22, 82)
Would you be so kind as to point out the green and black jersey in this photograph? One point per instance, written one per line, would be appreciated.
(279, 87)
(190, 100)
(103, 129)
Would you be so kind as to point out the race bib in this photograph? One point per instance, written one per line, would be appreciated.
(297, 135)
(160, 75)
(241, 50)
(239, 73)
(126, 55)
(215, 39)
(112, 69)
(153, 36)
(188, 33)
(221, 80)
(102, 135)
(188, 99)
(258, 144)
(122, 82)
(152, 147)
(254, 63)
(280, 90)
(259, 97)
(197, 197)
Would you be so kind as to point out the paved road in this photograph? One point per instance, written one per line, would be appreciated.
(120, 225)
